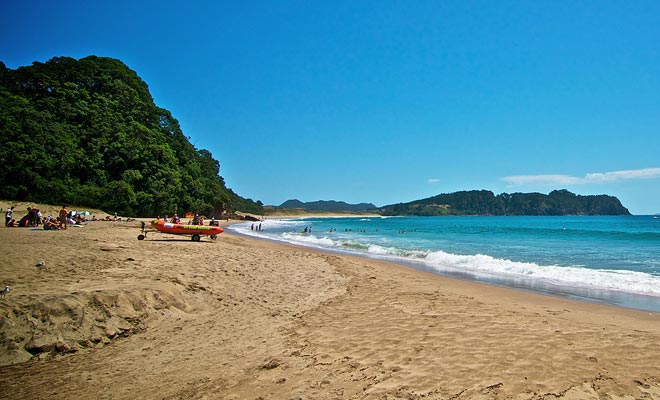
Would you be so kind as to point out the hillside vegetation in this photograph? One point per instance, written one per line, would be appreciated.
(484, 202)
(326, 206)
(87, 132)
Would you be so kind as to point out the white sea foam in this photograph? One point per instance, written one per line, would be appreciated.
(487, 267)
(279, 223)
(379, 250)
(269, 225)
(309, 240)
(584, 278)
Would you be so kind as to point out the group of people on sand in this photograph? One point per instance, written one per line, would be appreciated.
(199, 220)
(114, 218)
(34, 219)
(175, 219)
(196, 220)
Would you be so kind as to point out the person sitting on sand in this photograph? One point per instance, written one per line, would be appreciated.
(25, 221)
(51, 225)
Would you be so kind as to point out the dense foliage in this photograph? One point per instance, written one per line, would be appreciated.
(87, 132)
(484, 202)
(326, 206)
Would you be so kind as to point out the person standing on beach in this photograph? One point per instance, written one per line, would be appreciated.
(63, 217)
(8, 215)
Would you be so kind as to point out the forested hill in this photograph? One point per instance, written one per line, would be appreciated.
(484, 202)
(326, 206)
(87, 132)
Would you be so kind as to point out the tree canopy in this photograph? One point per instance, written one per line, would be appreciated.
(484, 202)
(87, 132)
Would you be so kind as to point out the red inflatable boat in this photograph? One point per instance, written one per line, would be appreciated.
(179, 229)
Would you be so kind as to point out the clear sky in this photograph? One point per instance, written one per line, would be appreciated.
(386, 101)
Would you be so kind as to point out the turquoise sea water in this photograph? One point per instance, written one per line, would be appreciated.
(615, 260)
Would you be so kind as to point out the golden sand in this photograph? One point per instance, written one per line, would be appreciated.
(111, 317)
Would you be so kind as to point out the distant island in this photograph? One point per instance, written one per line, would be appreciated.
(475, 202)
(484, 202)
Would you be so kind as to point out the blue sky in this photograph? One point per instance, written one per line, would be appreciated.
(387, 101)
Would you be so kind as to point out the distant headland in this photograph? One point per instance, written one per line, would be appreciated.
(478, 202)
(323, 206)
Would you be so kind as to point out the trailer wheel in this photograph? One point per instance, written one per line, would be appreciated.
(141, 237)
(195, 238)
(214, 237)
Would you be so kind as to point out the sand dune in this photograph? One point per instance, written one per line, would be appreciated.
(111, 317)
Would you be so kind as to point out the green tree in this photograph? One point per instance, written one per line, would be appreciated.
(88, 132)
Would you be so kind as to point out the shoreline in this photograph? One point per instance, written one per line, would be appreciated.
(455, 279)
(243, 318)
(633, 301)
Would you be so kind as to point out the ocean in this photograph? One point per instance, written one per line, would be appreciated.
(612, 259)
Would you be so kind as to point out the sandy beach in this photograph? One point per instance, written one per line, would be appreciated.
(111, 317)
